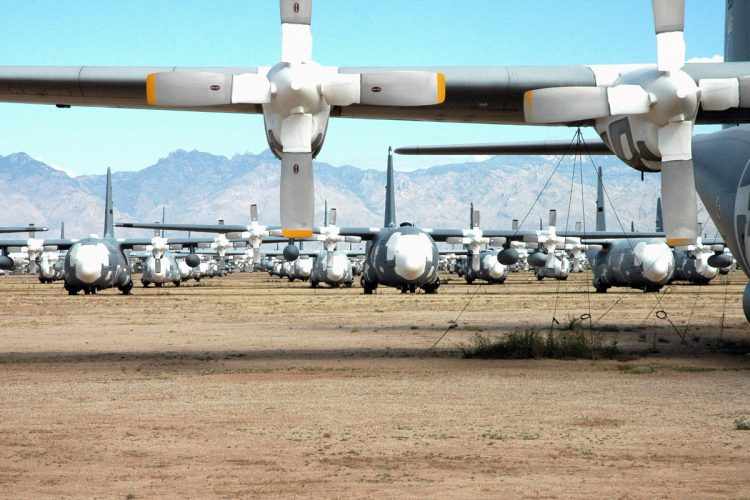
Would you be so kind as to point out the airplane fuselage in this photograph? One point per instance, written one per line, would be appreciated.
(96, 264)
(333, 269)
(402, 257)
(645, 264)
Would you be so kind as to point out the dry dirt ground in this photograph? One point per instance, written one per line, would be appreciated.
(250, 386)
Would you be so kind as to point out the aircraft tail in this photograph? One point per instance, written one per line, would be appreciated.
(601, 219)
(390, 194)
(163, 219)
(325, 214)
(62, 230)
(471, 216)
(109, 225)
(737, 31)
(659, 217)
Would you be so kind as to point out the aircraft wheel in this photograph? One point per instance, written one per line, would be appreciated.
(600, 289)
(177, 283)
(313, 284)
(368, 288)
(158, 285)
(145, 284)
(540, 278)
(652, 289)
(349, 284)
(72, 291)
(746, 302)
(412, 288)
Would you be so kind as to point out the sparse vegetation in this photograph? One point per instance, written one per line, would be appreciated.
(531, 344)
(637, 369)
(742, 424)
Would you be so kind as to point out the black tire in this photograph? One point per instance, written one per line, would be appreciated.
(177, 283)
(314, 284)
(158, 285)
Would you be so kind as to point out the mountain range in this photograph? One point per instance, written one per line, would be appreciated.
(198, 187)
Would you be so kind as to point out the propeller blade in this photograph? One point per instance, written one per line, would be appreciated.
(565, 104)
(297, 195)
(251, 88)
(669, 21)
(296, 35)
(679, 202)
(188, 89)
(402, 88)
(296, 133)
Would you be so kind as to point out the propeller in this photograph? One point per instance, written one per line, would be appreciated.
(296, 95)
(666, 100)
(474, 240)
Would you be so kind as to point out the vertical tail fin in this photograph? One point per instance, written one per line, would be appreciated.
(62, 230)
(109, 225)
(659, 217)
(325, 214)
(471, 216)
(163, 219)
(32, 232)
(601, 219)
(390, 194)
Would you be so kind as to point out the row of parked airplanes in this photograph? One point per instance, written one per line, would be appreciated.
(401, 256)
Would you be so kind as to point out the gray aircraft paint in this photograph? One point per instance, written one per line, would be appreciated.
(601, 218)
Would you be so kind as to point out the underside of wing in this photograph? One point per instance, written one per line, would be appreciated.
(595, 147)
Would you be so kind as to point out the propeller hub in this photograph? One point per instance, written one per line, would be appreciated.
(295, 89)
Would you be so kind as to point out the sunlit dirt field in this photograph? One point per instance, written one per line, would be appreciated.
(252, 386)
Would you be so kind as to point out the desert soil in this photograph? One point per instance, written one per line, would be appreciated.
(251, 386)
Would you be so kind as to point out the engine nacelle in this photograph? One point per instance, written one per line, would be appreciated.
(193, 260)
(6, 263)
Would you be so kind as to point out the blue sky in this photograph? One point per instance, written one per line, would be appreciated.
(346, 33)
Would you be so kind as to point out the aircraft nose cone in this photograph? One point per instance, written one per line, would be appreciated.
(410, 267)
(656, 265)
(88, 271)
(497, 271)
(335, 273)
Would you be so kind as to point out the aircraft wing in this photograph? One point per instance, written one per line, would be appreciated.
(595, 147)
(23, 229)
(130, 243)
(366, 233)
(485, 94)
(195, 228)
(18, 243)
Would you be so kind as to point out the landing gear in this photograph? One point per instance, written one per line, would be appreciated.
(652, 289)
(127, 288)
(600, 288)
(158, 285)
(746, 302)
(314, 284)
(367, 287)
(432, 288)
(145, 284)
(71, 289)
(349, 284)
(176, 283)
